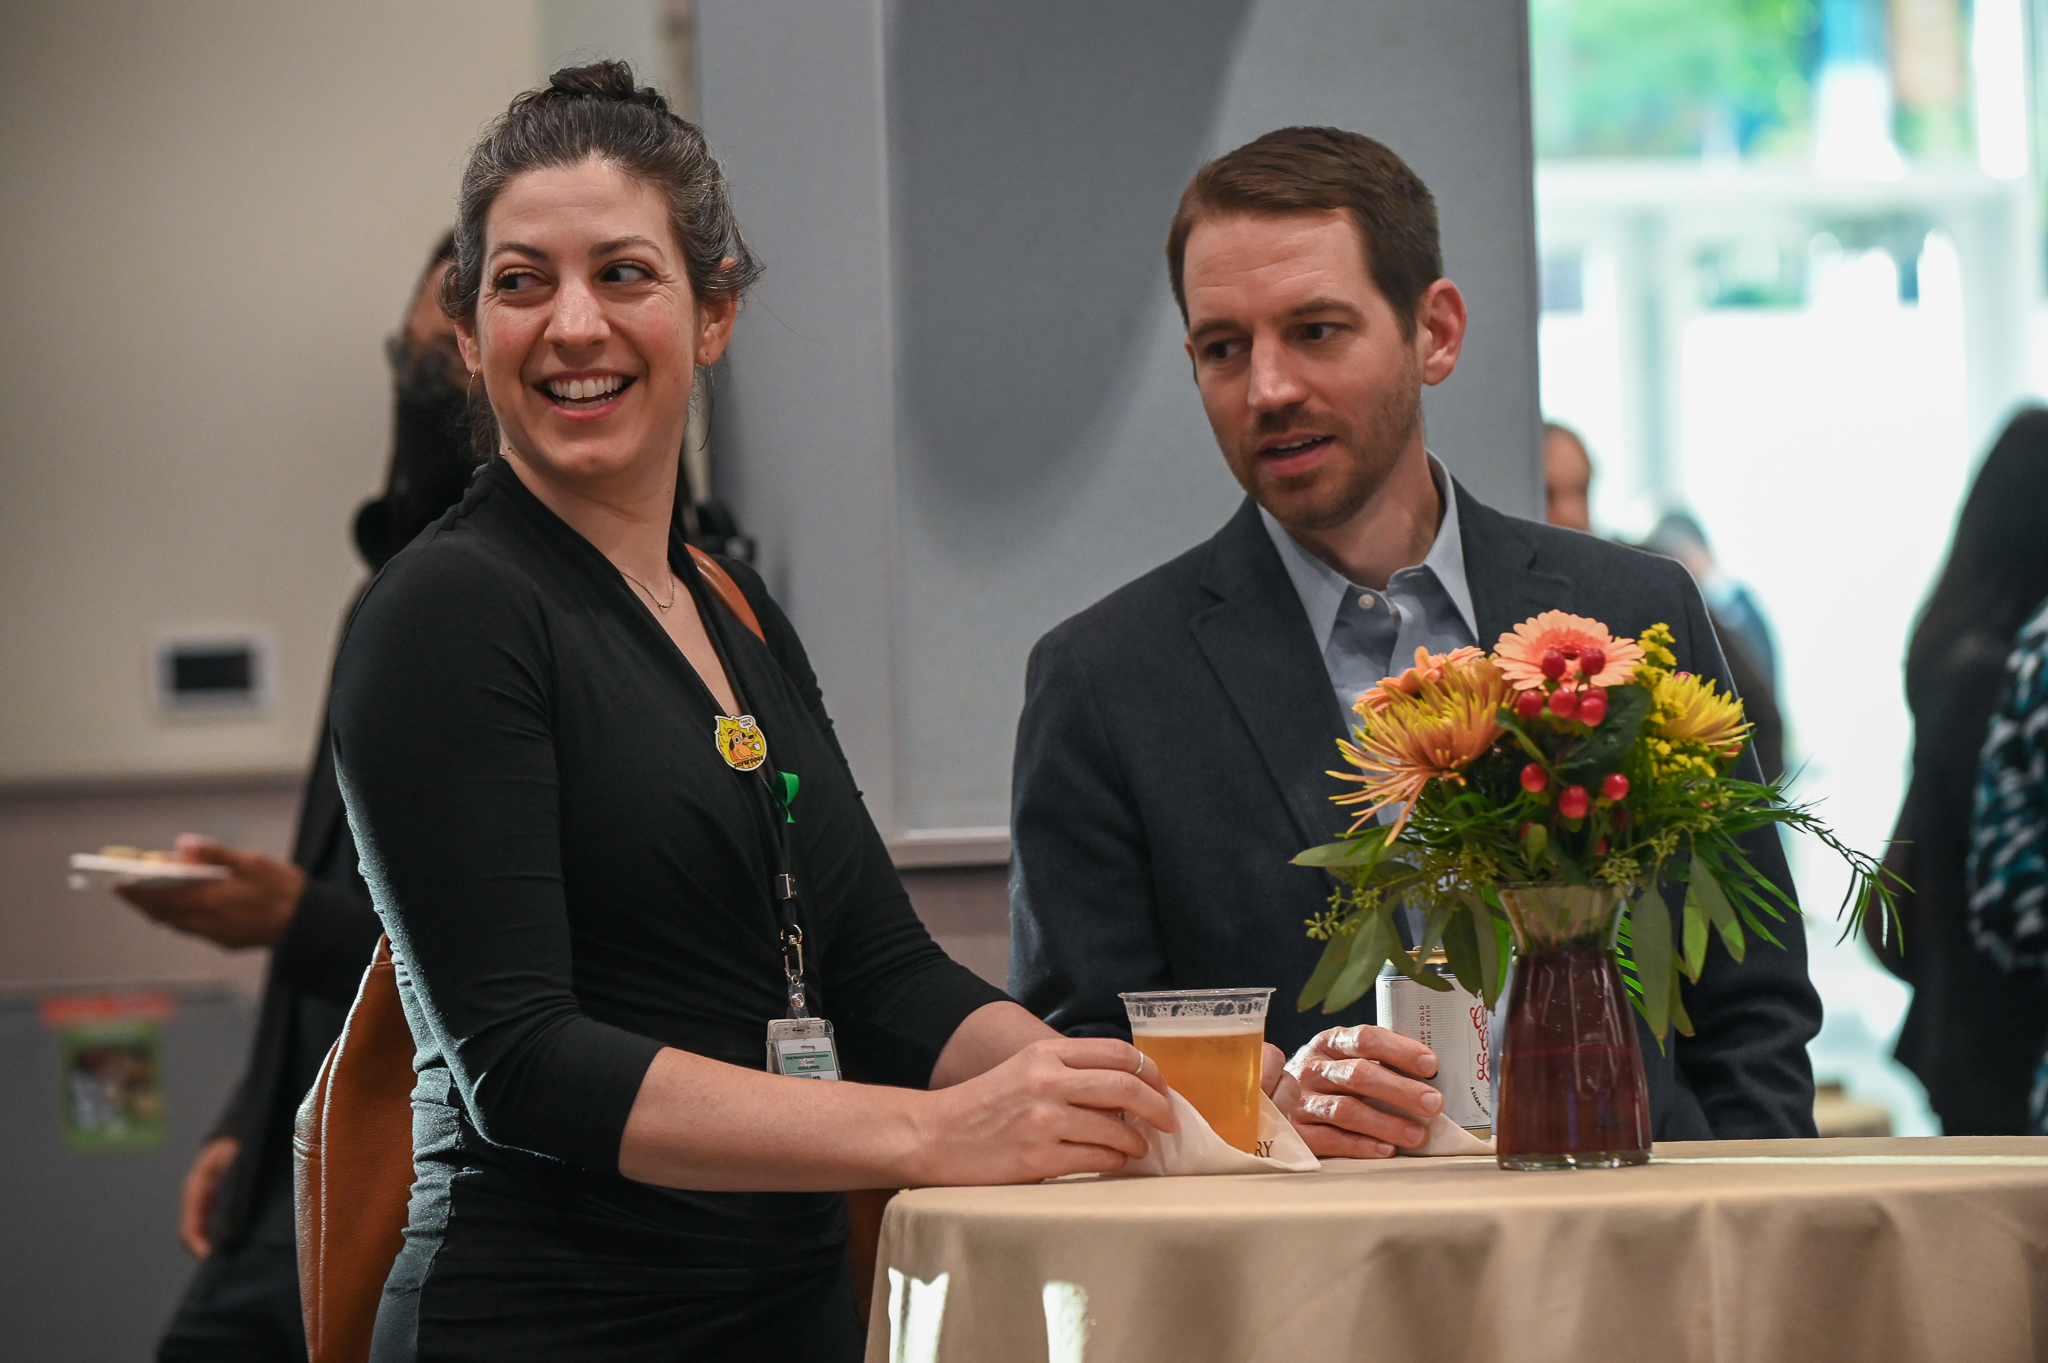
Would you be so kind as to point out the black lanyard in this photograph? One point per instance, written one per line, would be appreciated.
(782, 886)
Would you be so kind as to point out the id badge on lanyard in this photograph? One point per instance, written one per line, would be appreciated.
(800, 1046)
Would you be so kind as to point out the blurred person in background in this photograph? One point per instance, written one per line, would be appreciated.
(1567, 502)
(1973, 1034)
(1567, 479)
(313, 912)
(1737, 617)
(1745, 637)
(2008, 863)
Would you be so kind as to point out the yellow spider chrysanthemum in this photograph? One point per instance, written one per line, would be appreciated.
(1408, 740)
(1688, 710)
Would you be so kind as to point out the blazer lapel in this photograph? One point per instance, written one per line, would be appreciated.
(1257, 640)
(1500, 568)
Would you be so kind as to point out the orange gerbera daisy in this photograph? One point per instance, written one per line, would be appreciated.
(1407, 740)
(1575, 648)
(1428, 667)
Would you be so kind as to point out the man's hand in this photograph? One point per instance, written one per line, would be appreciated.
(202, 1181)
(250, 907)
(1349, 1095)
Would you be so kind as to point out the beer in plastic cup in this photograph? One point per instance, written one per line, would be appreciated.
(1209, 1043)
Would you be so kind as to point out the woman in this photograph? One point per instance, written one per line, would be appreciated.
(543, 725)
(2009, 834)
(1972, 1034)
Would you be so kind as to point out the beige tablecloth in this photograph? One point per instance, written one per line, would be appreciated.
(1719, 1252)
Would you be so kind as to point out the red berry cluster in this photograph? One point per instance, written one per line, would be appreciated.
(1572, 801)
(1571, 701)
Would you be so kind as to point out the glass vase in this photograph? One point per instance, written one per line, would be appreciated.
(1571, 1093)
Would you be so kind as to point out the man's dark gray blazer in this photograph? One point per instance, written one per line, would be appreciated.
(1172, 756)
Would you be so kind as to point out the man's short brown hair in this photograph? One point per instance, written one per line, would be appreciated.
(1302, 170)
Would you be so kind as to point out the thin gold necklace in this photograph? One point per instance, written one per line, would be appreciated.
(675, 588)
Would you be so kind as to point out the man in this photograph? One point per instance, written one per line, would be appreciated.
(1175, 737)
(1567, 479)
(313, 912)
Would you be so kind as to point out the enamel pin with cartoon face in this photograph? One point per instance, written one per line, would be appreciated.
(741, 743)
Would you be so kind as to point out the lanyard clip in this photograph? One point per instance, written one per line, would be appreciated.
(793, 969)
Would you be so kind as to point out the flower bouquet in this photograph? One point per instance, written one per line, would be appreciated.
(1539, 789)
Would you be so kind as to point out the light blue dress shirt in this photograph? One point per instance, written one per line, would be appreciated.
(1366, 634)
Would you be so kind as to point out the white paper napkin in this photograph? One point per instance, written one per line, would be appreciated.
(1446, 1137)
(1196, 1148)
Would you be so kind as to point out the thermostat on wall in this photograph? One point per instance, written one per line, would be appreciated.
(220, 675)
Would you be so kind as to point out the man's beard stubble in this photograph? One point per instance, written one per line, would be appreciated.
(1351, 482)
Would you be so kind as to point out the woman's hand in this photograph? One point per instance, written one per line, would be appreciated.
(1050, 1109)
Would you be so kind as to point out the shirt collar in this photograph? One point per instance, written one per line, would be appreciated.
(1446, 557)
(1322, 589)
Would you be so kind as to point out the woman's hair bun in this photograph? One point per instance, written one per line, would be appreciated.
(609, 80)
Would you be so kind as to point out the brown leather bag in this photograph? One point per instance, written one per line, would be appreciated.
(352, 1168)
(352, 1143)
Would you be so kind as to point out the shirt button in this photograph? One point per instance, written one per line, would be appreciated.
(1368, 600)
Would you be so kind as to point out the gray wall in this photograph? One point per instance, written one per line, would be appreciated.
(958, 410)
(91, 1267)
(214, 215)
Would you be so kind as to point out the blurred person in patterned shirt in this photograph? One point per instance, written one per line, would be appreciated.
(2008, 866)
(1973, 1033)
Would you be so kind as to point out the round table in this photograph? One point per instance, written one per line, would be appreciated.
(1870, 1250)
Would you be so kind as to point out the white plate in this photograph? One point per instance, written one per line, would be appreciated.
(140, 870)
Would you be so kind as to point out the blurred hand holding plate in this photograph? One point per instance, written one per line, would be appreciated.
(131, 866)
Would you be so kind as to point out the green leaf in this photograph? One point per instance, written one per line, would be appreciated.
(1493, 956)
(1504, 946)
(1535, 839)
(1625, 960)
(1433, 927)
(1679, 1019)
(1434, 924)
(1714, 900)
(1695, 953)
(1432, 934)
(1335, 953)
(1650, 943)
(1512, 722)
(1346, 854)
(1410, 964)
(1370, 946)
(1606, 746)
(1360, 854)
(1461, 946)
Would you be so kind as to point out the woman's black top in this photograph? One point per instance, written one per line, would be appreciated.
(573, 878)
(1973, 1034)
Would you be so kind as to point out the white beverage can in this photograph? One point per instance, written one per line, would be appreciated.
(1457, 1027)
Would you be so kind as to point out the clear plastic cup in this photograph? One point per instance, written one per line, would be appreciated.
(1209, 1043)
